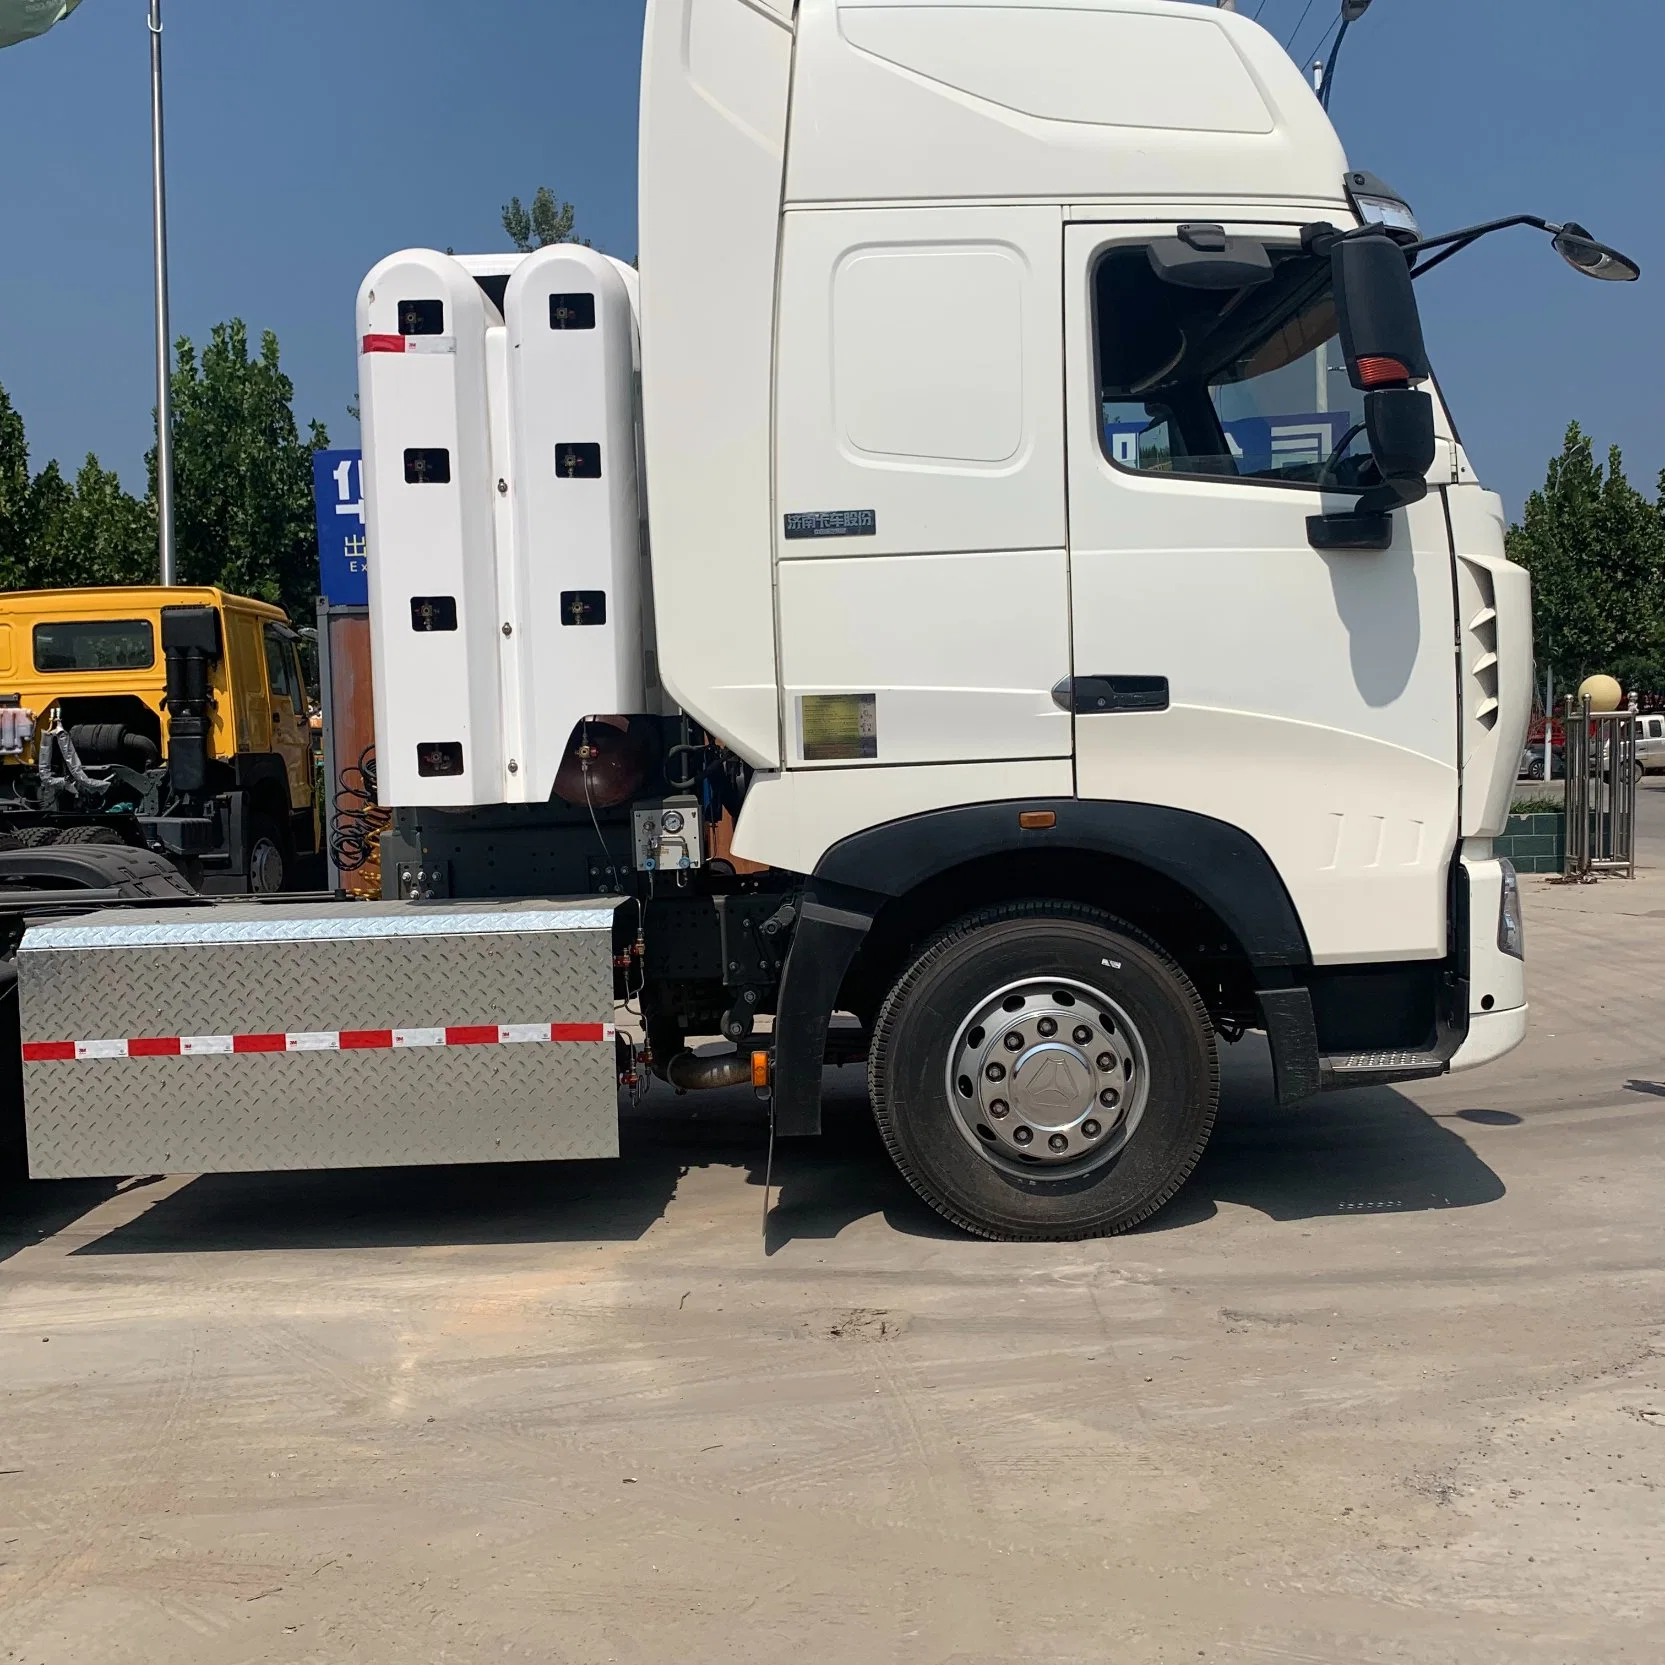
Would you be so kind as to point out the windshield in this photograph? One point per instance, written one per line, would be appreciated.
(1244, 384)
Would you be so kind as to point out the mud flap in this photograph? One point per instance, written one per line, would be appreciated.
(249, 1036)
(832, 925)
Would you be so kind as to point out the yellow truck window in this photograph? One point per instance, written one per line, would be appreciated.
(95, 645)
(280, 669)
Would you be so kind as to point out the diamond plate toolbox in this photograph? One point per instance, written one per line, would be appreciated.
(260, 1036)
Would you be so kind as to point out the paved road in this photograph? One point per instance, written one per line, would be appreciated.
(1387, 1383)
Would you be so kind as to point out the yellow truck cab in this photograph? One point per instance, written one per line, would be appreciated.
(171, 719)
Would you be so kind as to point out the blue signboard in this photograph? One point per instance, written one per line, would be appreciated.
(343, 558)
(1261, 445)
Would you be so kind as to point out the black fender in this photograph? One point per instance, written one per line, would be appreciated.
(1219, 864)
(55, 872)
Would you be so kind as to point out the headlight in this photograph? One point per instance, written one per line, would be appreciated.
(1511, 930)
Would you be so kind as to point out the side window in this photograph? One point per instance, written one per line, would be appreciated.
(1240, 384)
(297, 670)
(280, 670)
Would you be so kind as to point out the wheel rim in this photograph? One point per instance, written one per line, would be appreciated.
(265, 868)
(1048, 1078)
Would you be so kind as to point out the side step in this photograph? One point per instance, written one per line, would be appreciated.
(1378, 1069)
(1300, 1070)
(214, 1039)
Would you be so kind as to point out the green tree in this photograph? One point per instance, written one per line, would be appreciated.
(549, 220)
(91, 531)
(16, 502)
(1595, 547)
(55, 532)
(243, 514)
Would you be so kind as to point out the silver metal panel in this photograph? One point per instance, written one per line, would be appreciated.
(301, 922)
(186, 972)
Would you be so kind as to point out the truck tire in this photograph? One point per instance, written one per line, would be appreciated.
(89, 835)
(270, 860)
(1043, 1071)
(37, 838)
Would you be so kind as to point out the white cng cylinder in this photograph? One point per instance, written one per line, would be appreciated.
(577, 555)
(430, 487)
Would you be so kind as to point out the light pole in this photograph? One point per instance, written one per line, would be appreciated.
(1323, 75)
(164, 348)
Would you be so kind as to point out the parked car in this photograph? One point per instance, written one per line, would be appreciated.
(1532, 763)
(1650, 743)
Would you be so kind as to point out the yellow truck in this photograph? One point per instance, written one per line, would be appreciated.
(173, 720)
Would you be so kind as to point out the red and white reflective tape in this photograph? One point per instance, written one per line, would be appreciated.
(315, 1040)
(410, 344)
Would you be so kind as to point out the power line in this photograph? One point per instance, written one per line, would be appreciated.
(1324, 39)
(1289, 45)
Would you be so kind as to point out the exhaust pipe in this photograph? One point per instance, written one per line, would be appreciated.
(190, 646)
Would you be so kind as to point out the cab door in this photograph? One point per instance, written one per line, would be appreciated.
(1221, 663)
(291, 737)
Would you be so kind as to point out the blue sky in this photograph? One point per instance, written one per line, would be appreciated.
(309, 137)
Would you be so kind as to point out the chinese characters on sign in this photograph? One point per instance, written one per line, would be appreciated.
(343, 553)
(1294, 446)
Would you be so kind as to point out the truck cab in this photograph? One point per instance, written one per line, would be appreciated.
(983, 458)
(103, 739)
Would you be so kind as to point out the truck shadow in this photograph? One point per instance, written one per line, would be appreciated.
(1370, 1151)
(31, 1213)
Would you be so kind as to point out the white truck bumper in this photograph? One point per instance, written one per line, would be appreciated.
(1496, 979)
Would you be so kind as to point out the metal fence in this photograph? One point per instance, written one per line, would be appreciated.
(1601, 790)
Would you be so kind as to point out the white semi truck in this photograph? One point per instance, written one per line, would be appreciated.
(1001, 596)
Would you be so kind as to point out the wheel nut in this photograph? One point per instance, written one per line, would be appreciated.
(1047, 1026)
(1106, 1062)
(996, 1072)
(1082, 1034)
(1023, 1135)
(1014, 1042)
(998, 1108)
(1058, 1142)
(1091, 1129)
(1109, 1098)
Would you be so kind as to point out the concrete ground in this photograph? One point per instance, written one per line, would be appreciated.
(1386, 1383)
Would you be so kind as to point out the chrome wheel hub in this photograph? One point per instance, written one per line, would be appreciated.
(265, 868)
(1048, 1078)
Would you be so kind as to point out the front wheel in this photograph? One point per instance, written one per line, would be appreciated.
(1043, 1071)
(268, 856)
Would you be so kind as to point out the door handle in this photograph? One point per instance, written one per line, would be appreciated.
(1093, 695)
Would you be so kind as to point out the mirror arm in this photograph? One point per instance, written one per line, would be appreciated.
(1470, 233)
(1445, 254)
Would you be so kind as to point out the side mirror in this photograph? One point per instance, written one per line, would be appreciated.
(1381, 342)
(1400, 424)
(1584, 254)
